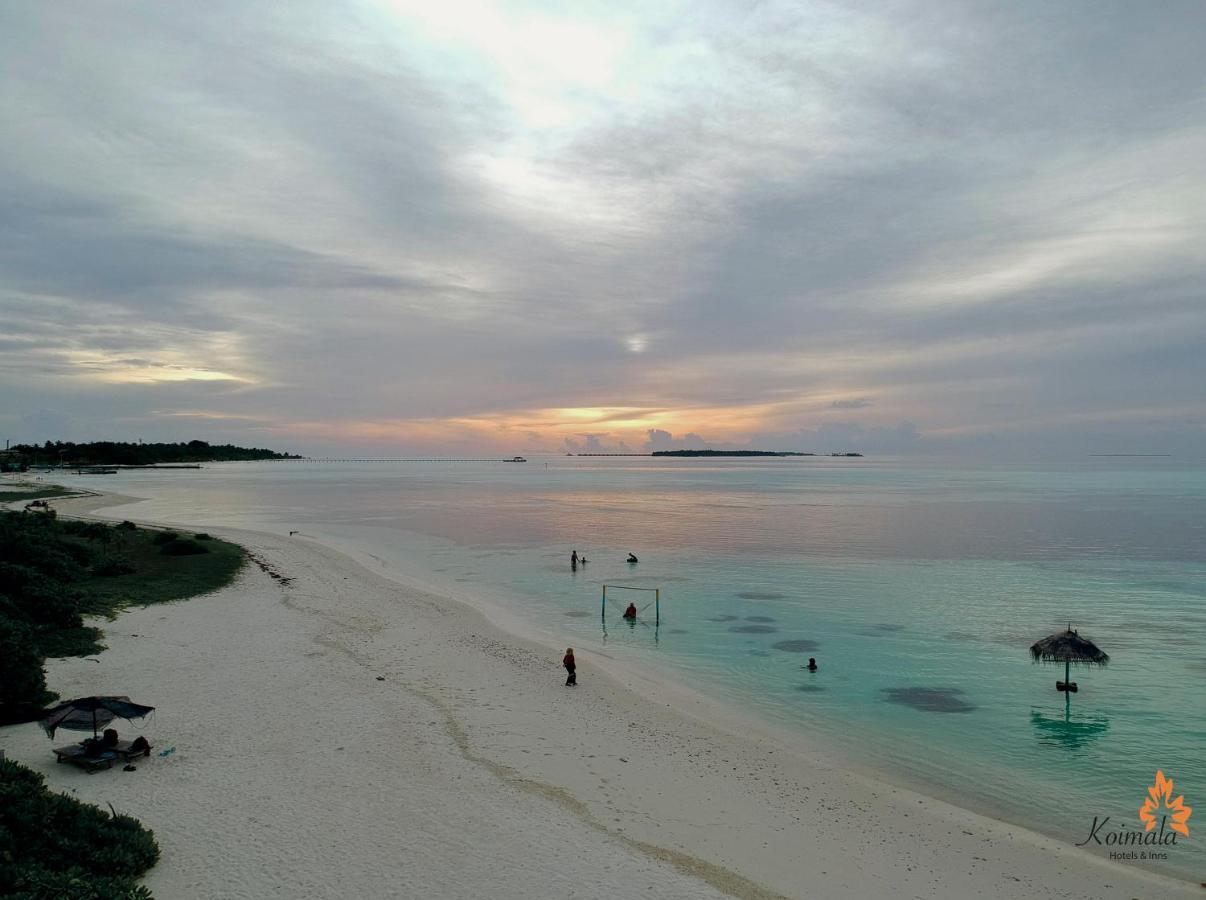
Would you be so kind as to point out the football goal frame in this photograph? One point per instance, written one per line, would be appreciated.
(657, 600)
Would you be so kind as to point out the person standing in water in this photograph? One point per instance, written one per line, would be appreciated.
(631, 612)
(574, 560)
(571, 667)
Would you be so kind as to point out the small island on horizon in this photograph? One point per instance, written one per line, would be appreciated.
(742, 453)
(120, 453)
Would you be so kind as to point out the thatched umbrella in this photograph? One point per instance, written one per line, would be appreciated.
(1069, 648)
(92, 713)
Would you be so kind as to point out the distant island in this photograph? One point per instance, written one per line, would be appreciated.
(740, 453)
(114, 453)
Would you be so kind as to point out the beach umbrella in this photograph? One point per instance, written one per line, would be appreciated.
(92, 713)
(1071, 649)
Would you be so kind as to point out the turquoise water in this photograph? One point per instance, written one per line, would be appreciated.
(918, 587)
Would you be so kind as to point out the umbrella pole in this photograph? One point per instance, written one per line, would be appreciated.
(94, 724)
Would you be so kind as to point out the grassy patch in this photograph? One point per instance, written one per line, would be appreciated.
(30, 492)
(159, 577)
(52, 573)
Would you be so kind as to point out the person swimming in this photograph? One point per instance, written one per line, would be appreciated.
(631, 612)
(632, 558)
(812, 664)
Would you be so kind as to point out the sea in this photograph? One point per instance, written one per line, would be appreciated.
(918, 586)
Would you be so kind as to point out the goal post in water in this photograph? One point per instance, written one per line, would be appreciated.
(656, 603)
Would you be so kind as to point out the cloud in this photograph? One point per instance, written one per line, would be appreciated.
(392, 223)
(595, 443)
(659, 439)
(836, 437)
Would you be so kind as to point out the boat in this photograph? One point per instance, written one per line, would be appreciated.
(515, 459)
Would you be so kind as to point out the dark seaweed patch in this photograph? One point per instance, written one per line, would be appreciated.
(964, 636)
(578, 614)
(753, 629)
(761, 595)
(797, 646)
(760, 619)
(724, 618)
(929, 699)
(880, 629)
(810, 688)
(677, 631)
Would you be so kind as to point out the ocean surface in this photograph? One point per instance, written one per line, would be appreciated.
(917, 586)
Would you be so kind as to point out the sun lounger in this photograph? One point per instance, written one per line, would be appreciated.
(126, 749)
(77, 755)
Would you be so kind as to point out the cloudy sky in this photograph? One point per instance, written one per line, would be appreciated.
(415, 226)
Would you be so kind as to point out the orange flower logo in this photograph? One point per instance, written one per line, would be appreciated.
(1160, 795)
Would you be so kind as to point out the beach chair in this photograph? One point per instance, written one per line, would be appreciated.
(78, 755)
(129, 750)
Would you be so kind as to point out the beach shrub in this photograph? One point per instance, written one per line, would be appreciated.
(114, 564)
(183, 547)
(49, 604)
(53, 846)
(54, 573)
(93, 531)
(202, 537)
(22, 681)
(126, 525)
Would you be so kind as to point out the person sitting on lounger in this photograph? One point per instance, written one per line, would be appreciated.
(630, 613)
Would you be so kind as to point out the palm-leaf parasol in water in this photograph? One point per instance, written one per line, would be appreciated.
(1071, 649)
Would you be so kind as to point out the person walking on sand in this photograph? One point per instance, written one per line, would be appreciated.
(571, 667)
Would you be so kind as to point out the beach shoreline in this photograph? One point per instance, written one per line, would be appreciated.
(693, 797)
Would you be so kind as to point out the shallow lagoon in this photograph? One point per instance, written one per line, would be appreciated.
(917, 586)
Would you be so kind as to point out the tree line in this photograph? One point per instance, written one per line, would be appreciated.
(119, 453)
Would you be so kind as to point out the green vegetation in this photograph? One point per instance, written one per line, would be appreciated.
(113, 453)
(52, 573)
(53, 847)
(32, 492)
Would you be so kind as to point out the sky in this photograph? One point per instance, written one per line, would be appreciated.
(402, 226)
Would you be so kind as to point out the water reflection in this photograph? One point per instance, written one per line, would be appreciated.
(636, 625)
(1067, 730)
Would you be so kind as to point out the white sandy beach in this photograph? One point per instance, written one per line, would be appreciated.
(338, 734)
